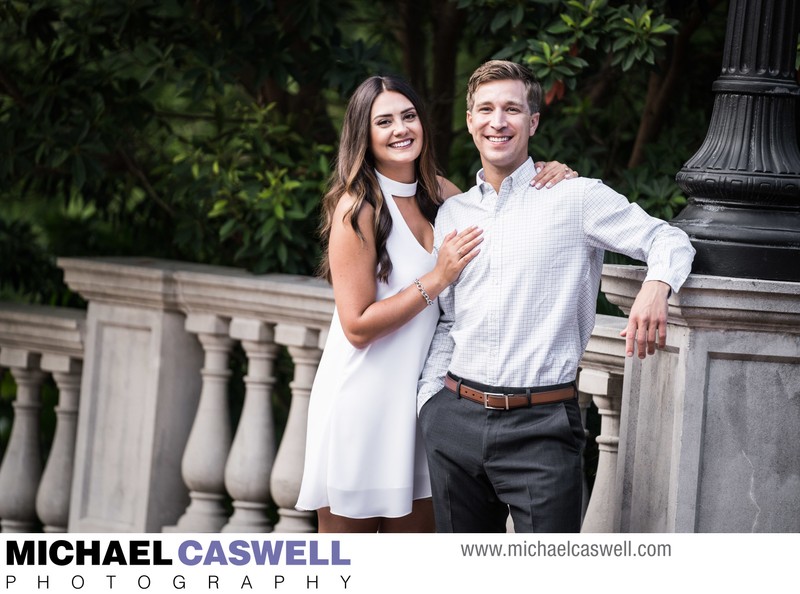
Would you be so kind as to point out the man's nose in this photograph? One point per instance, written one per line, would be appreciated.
(498, 119)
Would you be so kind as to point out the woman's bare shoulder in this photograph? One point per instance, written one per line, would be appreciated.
(346, 204)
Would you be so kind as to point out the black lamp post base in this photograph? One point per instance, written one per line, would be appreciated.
(742, 242)
(743, 183)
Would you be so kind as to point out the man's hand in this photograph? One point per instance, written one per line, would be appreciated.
(648, 318)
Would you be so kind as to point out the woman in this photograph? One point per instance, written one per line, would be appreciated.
(365, 467)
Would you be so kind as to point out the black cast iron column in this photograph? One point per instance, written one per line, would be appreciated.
(743, 213)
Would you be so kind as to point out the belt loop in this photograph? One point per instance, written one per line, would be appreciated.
(458, 389)
(528, 394)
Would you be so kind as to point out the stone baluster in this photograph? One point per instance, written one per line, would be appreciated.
(606, 390)
(22, 464)
(584, 401)
(287, 473)
(203, 464)
(53, 497)
(247, 472)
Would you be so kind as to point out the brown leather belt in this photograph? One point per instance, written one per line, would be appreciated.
(500, 401)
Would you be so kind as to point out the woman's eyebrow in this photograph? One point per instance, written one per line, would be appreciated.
(388, 115)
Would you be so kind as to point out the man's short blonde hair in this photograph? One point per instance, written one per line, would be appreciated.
(505, 70)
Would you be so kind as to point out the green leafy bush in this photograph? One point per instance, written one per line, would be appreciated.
(143, 129)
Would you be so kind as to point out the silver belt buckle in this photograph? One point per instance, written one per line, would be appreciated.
(486, 401)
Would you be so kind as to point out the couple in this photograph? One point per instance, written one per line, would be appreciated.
(506, 302)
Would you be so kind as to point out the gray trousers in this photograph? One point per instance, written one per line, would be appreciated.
(485, 463)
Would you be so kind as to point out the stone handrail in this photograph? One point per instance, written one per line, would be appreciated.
(156, 448)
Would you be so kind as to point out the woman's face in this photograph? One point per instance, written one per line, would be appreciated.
(395, 134)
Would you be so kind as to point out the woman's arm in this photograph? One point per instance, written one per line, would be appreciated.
(353, 263)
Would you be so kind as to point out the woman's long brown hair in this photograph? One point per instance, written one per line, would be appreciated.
(355, 171)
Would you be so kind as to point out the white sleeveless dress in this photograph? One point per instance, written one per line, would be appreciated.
(364, 453)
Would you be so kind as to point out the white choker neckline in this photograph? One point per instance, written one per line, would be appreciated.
(396, 188)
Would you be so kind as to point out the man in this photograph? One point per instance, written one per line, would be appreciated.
(497, 398)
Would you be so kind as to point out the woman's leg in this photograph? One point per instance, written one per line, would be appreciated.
(419, 520)
(329, 522)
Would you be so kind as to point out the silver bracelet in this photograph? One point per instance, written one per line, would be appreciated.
(423, 292)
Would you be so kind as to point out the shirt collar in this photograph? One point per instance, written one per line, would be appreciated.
(520, 177)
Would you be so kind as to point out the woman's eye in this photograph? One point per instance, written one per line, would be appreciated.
(411, 116)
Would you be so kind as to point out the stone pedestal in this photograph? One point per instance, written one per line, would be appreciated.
(710, 427)
(139, 394)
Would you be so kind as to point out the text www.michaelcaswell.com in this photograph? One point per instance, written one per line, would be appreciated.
(567, 549)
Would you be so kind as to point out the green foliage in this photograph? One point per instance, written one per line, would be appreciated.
(26, 271)
(659, 196)
(204, 131)
(553, 64)
(579, 22)
(266, 217)
(629, 33)
(555, 52)
(637, 35)
(147, 128)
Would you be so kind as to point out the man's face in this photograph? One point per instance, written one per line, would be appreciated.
(501, 123)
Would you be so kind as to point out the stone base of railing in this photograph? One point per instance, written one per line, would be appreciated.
(709, 427)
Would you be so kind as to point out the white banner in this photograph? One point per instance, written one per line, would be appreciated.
(437, 563)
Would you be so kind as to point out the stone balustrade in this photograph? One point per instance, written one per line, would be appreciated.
(155, 447)
(177, 324)
(600, 377)
(36, 341)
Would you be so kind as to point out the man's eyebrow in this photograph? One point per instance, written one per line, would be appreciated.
(503, 103)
